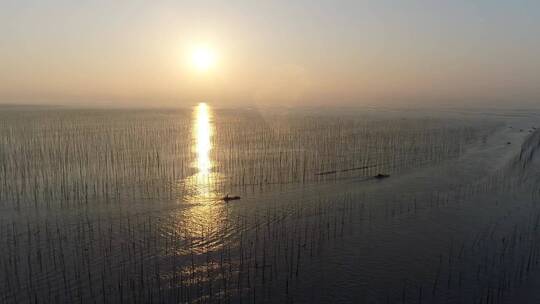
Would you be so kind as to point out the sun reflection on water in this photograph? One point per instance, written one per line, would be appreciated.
(201, 221)
(203, 134)
(201, 187)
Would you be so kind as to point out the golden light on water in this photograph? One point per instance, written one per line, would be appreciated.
(203, 134)
(202, 185)
(206, 212)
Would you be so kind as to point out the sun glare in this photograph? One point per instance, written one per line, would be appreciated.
(203, 58)
(202, 136)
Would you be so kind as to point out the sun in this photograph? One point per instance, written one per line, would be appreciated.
(203, 58)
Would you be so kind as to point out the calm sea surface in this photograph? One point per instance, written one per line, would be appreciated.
(114, 206)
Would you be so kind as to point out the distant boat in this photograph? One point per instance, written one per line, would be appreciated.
(381, 176)
(227, 198)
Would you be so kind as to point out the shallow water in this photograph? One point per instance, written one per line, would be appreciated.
(125, 206)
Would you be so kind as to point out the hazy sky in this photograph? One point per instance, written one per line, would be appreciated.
(270, 52)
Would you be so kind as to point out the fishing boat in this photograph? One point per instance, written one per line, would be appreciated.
(227, 198)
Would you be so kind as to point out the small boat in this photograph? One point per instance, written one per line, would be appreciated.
(227, 198)
(381, 176)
